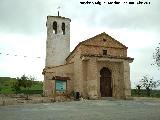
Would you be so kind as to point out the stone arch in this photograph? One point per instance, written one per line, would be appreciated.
(55, 27)
(63, 28)
(105, 82)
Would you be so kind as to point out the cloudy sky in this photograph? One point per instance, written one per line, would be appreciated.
(23, 32)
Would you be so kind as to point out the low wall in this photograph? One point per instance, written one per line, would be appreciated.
(33, 99)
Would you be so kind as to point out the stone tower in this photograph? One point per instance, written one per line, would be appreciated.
(58, 40)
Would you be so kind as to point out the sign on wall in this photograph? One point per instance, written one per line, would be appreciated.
(61, 85)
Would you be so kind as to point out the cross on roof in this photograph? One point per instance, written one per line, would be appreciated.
(58, 9)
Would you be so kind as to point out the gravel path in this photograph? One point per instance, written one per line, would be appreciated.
(84, 110)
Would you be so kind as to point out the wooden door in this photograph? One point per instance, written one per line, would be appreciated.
(105, 83)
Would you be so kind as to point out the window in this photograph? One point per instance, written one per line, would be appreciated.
(55, 27)
(104, 52)
(63, 28)
(104, 40)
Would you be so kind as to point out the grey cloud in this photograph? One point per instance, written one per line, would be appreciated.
(29, 16)
(135, 19)
(26, 16)
(125, 16)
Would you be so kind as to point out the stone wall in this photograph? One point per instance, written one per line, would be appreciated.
(99, 50)
(126, 77)
(104, 40)
(84, 71)
(116, 79)
(63, 71)
(78, 73)
(92, 77)
(57, 44)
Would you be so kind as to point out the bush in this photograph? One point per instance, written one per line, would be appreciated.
(143, 93)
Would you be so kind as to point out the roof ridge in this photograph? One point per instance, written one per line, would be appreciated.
(104, 34)
(82, 42)
(91, 38)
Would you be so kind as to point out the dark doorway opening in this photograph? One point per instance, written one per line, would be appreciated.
(105, 82)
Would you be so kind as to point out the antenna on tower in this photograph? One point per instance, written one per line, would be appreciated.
(58, 9)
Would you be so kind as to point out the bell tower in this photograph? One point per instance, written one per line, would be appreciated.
(58, 40)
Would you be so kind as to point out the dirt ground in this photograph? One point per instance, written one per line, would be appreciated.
(107, 109)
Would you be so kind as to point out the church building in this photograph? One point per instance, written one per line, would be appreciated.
(97, 67)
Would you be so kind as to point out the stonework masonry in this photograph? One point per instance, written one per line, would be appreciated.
(84, 63)
(57, 44)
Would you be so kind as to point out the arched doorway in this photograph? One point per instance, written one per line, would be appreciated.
(105, 82)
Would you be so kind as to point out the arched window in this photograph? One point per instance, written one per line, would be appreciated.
(63, 28)
(55, 27)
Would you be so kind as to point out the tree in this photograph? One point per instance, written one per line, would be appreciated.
(138, 88)
(156, 56)
(0, 86)
(26, 82)
(15, 86)
(148, 84)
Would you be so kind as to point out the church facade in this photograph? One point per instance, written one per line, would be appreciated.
(97, 67)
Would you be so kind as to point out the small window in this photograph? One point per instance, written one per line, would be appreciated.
(104, 40)
(55, 27)
(104, 52)
(63, 28)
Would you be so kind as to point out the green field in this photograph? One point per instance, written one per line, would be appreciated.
(6, 86)
(143, 93)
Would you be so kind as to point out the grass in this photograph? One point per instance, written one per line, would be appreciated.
(6, 87)
(143, 93)
(6, 90)
(32, 90)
